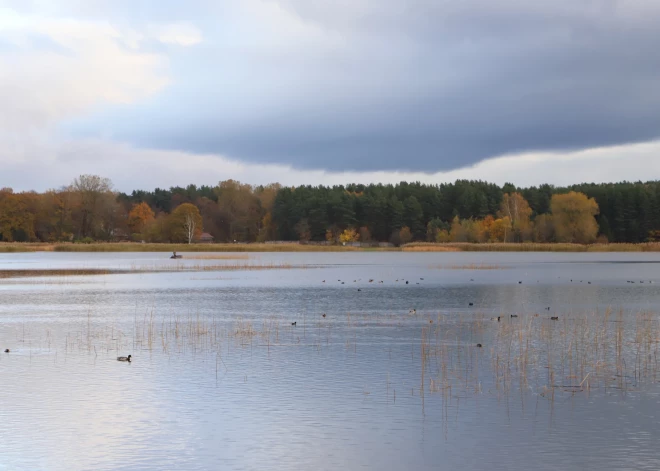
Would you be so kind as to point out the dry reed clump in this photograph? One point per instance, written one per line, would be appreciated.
(177, 267)
(168, 248)
(530, 247)
(592, 352)
(41, 272)
(12, 247)
(429, 247)
(295, 247)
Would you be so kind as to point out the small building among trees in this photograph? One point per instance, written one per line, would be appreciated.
(205, 238)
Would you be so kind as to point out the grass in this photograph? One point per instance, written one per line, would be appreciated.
(294, 247)
(40, 272)
(178, 267)
(530, 247)
(255, 247)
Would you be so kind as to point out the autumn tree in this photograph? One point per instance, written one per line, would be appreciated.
(405, 235)
(16, 222)
(544, 229)
(90, 192)
(140, 216)
(515, 207)
(573, 216)
(349, 235)
(186, 223)
(500, 229)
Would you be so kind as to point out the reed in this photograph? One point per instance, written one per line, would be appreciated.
(296, 247)
(176, 267)
(184, 248)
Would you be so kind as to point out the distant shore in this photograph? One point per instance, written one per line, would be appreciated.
(296, 247)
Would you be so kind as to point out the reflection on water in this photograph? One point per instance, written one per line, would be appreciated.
(222, 380)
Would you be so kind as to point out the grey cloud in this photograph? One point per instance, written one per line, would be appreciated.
(418, 85)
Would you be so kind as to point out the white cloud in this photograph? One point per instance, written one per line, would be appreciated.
(130, 168)
(82, 63)
(181, 34)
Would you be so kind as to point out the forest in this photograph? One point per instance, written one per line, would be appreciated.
(89, 209)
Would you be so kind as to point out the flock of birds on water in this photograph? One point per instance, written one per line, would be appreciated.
(411, 312)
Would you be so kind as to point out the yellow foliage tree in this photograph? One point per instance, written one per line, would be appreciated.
(500, 230)
(515, 207)
(349, 235)
(573, 217)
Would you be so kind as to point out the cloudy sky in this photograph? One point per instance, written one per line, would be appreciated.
(164, 92)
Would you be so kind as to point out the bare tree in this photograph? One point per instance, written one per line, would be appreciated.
(190, 225)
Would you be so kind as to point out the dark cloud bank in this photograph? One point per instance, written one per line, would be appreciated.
(417, 85)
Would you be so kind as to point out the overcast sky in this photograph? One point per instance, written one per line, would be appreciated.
(161, 93)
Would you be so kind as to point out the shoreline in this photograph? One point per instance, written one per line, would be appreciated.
(22, 247)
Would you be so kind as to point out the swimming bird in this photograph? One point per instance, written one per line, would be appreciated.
(547, 308)
(514, 315)
(422, 279)
(323, 314)
(294, 323)
(554, 318)
(520, 282)
(128, 358)
(478, 345)
(359, 289)
(406, 282)
(371, 281)
(412, 311)
(471, 304)
(6, 350)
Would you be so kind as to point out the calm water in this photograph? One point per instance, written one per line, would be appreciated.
(250, 391)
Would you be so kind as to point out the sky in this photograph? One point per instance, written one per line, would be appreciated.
(162, 93)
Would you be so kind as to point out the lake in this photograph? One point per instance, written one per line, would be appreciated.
(380, 371)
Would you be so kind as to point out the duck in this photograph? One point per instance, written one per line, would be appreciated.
(556, 318)
(359, 289)
(406, 282)
(478, 345)
(471, 304)
(6, 350)
(128, 358)
(514, 315)
(294, 323)
(323, 314)
(412, 311)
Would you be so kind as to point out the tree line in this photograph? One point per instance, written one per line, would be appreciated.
(89, 209)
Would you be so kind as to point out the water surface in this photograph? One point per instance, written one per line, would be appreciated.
(222, 380)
